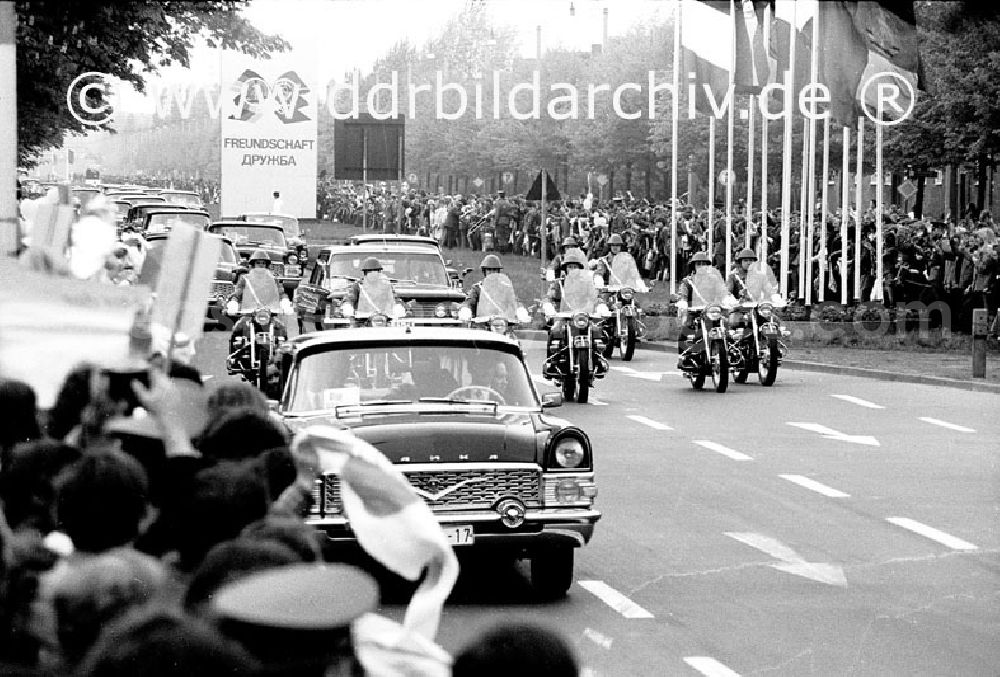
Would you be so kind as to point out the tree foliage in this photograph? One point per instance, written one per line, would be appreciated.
(57, 40)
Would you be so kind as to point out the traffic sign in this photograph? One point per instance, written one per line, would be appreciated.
(602, 179)
(477, 182)
(551, 192)
(508, 177)
(725, 176)
(907, 189)
(413, 178)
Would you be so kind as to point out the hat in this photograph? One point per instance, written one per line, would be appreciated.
(299, 613)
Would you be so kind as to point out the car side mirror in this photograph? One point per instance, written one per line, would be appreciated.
(448, 262)
(550, 400)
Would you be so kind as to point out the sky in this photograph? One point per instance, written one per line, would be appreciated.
(332, 37)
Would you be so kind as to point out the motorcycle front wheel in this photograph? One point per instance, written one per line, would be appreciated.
(741, 374)
(720, 366)
(628, 343)
(263, 359)
(767, 369)
(569, 387)
(583, 389)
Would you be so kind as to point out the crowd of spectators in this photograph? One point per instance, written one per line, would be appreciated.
(168, 539)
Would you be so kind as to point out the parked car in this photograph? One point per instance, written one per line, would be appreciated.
(500, 475)
(418, 275)
(457, 278)
(227, 271)
(249, 237)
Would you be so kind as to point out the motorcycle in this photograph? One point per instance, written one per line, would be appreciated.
(252, 348)
(576, 348)
(757, 347)
(624, 327)
(708, 354)
(498, 310)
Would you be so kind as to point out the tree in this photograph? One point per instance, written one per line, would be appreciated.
(57, 40)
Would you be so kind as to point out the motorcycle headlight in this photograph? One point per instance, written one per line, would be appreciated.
(262, 317)
(569, 452)
(498, 325)
(581, 321)
(713, 313)
(440, 311)
(765, 309)
(380, 321)
(627, 294)
(292, 259)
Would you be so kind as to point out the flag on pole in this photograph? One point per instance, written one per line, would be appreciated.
(753, 68)
(789, 13)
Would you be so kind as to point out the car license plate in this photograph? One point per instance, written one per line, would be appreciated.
(581, 341)
(460, 534)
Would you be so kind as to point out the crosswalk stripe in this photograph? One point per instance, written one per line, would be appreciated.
(656, 425)
(930, 532)
(813, 485)
(615, 599)
(945, 424)
(709, 667)
(725, 451)
(858, 401)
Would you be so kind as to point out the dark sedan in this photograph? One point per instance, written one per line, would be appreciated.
(249, 237)
(456, 411)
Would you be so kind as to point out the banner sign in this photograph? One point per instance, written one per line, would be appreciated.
(185, 280)
(268, 140)
(50, 324)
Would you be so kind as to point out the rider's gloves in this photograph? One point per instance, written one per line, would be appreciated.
(777, 301)
(286, 307)
(465, 313)
(398, 311)
(347, 310)
(522, 315)
(232, 308)
(681, 305)
(602, 310)
(729, 302)
(548, 309)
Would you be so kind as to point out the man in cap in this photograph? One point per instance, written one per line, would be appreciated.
(350, 304)
(502, 221)
(736, 284)
(297, 619)
(567, 244)
(470, 307)
(260, 268)
(685, 290)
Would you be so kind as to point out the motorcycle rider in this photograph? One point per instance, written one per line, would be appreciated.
(573, 260)
(260, 263)
(490, 264)
(350, 304)
(736, 284)
(685, 290)
(568, 243)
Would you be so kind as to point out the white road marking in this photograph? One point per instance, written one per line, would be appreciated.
(725, 451)
(615, 599)
(791, 561)
(858, 401)
(710, 667)
(656, 425)
(930, 532)
(644, 375)
(945, 424)
(813, 485)
(831, 434)
(598, 403)
(624, 370)
(598, 638)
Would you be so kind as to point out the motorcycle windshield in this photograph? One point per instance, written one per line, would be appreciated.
(376, 295)
(496, 297)
(261, 292)
(761, 282)
(709, 289)
(624, 273)
(578, 292)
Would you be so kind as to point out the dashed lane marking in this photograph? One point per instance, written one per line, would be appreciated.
(813, 485)
(945, 424)
(858, 401)
(656, 425)
(941, 537)
(710, 667)
(598, 403)
(725, 451)
(615, 599)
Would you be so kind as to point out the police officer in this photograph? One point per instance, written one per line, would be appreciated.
(568, 243)
(686, 292)
(350, 304)
(470, 307)
(259, 261)
(574, 259)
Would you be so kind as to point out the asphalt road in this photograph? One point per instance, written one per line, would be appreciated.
(826, 526)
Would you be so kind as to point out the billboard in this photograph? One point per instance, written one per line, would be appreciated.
(365, 142)
(268, 136)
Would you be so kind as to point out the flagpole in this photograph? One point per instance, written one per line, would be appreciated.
(879, 171)
(786, 163)
(750, 163)
(810, 214)
(845, 204)
(675, 111)
(711, 186)
(762, 249)
(825, 209)
(858, 209)
(729, 136)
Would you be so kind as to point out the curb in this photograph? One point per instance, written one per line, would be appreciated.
(822, 367)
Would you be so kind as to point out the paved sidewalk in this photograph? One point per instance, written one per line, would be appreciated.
(941, 369)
